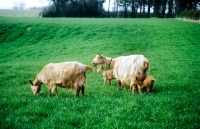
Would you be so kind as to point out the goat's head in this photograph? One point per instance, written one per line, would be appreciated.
(100, 68)
(98, 60)
(35, 88)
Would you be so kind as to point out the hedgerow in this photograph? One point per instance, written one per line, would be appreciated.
(191, 14)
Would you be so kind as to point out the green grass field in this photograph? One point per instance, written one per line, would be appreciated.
(171, 46)
(19, 13)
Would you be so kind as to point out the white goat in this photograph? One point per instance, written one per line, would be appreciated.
(125, 68)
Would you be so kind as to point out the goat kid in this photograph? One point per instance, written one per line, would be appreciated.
(107, 74)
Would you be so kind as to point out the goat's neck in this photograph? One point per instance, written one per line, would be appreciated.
(37, 82)
(112, 63)
(103, 71)
(109, 62)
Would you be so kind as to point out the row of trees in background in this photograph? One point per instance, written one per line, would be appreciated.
(74, 8)
(19, 6)
(191, 14)
(120, 8)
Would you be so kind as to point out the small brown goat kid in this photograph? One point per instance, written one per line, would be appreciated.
(107, 74)
(148, 83)
(137, 80)
(69, 75)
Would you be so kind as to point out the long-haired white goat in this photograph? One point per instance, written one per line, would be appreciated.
(125, 68)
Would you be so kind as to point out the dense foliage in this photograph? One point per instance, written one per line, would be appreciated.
(191, 14)
(120, 8)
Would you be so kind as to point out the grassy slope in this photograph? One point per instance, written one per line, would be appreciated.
(171, 46)
(19, 13)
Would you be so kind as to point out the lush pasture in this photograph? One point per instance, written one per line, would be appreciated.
(19, 13)
(172, 47)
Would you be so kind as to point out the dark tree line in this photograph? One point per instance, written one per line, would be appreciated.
(120, 8)
(74, 8)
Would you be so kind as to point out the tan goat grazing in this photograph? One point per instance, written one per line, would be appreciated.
(148, 83)
(69, 75)
(107, 74)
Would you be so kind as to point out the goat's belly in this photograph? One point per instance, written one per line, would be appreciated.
(126, 81)
(70, 84)
(67, 85)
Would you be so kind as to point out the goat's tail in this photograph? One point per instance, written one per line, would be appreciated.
(89, 68)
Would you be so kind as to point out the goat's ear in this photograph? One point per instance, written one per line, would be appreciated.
(31, 82)
(100, 56)
(146, 64)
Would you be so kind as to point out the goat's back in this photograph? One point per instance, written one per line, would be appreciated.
(129, 66)
(65, 72)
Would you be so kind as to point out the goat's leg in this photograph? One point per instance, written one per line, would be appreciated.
(54, 88)
(49, 92)
(123, 85)
(119, 83)
(82, 90)
(133, 87)
(135, 84)
(151, 87)
(148, 88)
(56, 91)
(109, 81)
(104, 83)
(139, 89)
(77, 91)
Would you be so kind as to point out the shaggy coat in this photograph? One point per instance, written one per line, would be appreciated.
(131, 66)
(125, 68)
(69, 75)
(107, 74)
